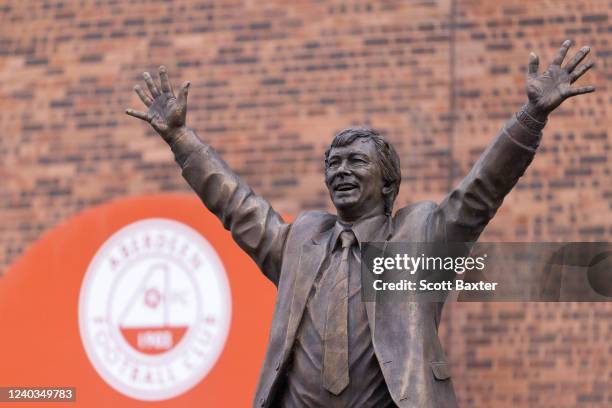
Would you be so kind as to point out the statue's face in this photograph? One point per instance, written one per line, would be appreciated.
(354, 178)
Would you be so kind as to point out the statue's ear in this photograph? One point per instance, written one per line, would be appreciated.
(387, 189)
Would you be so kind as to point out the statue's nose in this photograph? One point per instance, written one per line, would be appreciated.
(343, 168)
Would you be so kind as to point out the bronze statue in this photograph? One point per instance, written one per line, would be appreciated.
(326, 346)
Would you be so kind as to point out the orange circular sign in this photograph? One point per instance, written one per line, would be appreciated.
(140, 302)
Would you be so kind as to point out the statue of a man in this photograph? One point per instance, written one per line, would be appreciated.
(326, 346)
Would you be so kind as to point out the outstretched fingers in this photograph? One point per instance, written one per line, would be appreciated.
(579, 91)
(147, 117)
(151, 85)
(578, 72)
(143, 95)
(562, 52)
(163, 80)
(573, 63)
(534, 63)
(182, 96)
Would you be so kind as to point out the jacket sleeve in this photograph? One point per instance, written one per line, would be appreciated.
(255, 226)
(467, 209)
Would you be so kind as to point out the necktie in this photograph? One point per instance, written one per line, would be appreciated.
(335, 342)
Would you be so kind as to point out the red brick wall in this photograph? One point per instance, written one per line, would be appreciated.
(272, 81)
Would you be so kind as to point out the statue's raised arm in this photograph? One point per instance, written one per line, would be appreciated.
(464, 213)
(255, 226)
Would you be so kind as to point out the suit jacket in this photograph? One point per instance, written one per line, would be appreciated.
(404, 335)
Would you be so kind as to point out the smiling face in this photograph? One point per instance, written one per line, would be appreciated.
(354, 180)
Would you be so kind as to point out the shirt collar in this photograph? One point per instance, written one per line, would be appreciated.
(365, 230)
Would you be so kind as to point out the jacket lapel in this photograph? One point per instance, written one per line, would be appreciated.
(384, 235)
(311, 257)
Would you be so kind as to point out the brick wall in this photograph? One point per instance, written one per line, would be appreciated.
(272, 81)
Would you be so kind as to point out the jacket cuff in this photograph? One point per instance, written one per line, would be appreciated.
(521, 134)
(185, 144)
(527, 117)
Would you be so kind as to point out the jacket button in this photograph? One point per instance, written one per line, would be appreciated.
(278, 364)
(262, 402)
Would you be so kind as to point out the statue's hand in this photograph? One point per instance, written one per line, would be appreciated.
(550, 89)
(166, 112)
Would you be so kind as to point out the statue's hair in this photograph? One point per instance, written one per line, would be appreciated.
(387, 158)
